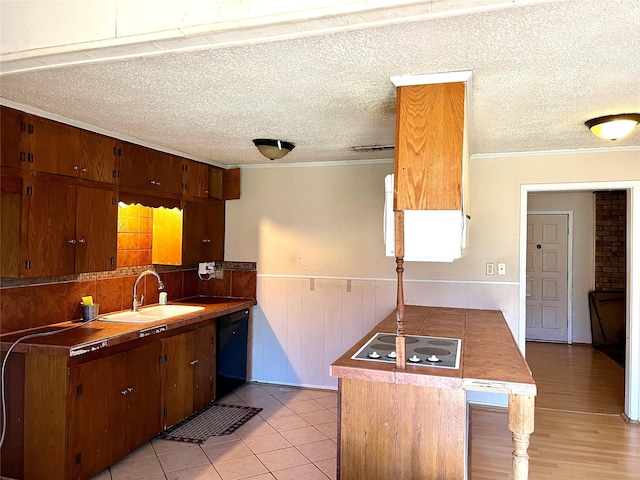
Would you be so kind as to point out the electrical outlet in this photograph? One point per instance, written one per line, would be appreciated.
(490, 270)
(502, 269)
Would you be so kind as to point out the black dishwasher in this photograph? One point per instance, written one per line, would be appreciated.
(231, 352)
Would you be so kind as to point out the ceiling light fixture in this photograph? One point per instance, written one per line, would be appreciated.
(273, 149)
(613, 127)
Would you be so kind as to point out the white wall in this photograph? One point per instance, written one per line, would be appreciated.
(325, 223)
(582, 206)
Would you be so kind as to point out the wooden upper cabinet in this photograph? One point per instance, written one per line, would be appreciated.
(430, 130)
(51, 224)
(96, 158)
(96, 227)
(55, 147)
(10, 223)
(224, 184)
(142, 167)
(69, 229)
(203, 232)
(169, 173)
(13, 131)
(196, 178)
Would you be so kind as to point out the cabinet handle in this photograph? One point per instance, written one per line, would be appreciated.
(84, 169)
(126, 391)
(82, 241)
(76, 167)
(157, 183)
(193, 362)
(72, 241)
(206, 240)
(153, 182)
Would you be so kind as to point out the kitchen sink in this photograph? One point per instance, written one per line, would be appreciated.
(150, 314)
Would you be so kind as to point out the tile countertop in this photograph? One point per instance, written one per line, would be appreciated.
(490, 358)
(97, 334)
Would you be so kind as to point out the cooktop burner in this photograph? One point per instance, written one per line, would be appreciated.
(428, 351)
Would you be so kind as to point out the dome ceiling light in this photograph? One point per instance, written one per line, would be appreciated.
(613, 127)
(273, 149)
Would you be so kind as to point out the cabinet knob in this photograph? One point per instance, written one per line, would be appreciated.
(126, 391)
(76, 167)
(84, 169)
(206, 240)
(153, 182)
(82, 241)
(193, 362)
(72, 241)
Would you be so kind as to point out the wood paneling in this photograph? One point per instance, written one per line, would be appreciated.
(401, 431)
(429, 144)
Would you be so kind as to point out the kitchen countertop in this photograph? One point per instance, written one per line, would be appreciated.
(94, 335)
(490, 358)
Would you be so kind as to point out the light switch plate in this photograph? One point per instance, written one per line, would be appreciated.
(502, 269)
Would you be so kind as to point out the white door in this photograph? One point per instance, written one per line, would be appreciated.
(547, 278)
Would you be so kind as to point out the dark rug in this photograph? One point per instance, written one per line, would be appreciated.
(215, 420)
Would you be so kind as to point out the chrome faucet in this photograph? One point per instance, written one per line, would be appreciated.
(137, 303)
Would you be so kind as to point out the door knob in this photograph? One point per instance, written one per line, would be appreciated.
(538, 246)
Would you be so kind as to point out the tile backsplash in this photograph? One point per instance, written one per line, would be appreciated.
(27, 304)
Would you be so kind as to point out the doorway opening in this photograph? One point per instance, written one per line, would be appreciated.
(632, 307)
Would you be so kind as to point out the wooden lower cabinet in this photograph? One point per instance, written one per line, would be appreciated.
(188, 373)
(83, 418)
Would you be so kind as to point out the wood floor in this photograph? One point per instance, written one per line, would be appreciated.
(579, 433)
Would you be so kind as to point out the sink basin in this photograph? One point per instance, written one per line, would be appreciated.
(150, 314)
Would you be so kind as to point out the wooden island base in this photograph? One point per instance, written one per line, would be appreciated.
(412, 423)
(401, 431)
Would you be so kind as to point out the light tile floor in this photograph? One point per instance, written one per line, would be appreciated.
(293, 437)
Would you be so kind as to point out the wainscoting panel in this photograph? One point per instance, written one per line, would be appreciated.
(301, 325)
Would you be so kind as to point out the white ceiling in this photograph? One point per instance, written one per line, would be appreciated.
(539, 71)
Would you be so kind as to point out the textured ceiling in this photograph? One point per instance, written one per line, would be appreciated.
(539, 72)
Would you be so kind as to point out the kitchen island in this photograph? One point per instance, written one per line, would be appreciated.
(412, 423)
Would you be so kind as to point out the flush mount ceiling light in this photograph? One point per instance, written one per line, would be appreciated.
(273, 149)
(613, 127)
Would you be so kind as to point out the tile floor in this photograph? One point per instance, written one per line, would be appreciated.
(292, 438)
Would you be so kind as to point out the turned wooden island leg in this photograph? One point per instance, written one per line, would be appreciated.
(521, 412)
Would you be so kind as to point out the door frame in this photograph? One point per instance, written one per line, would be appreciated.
(632, 369)
(569, 214)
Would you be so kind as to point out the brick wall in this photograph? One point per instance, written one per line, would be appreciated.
(610, 242)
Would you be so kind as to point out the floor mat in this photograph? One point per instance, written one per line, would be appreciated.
(214, 420)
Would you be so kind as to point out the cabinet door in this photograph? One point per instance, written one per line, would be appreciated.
(204, 371)
(51, 219)
(97, 404)
(13, 131)
(177, 378)
(55, 147)
(196, 178)
(168, 173)
(96, 230)
(137, 165)
(144, 412)
(10, 223)
(214, 231)
(97, 161)
(203, 232)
